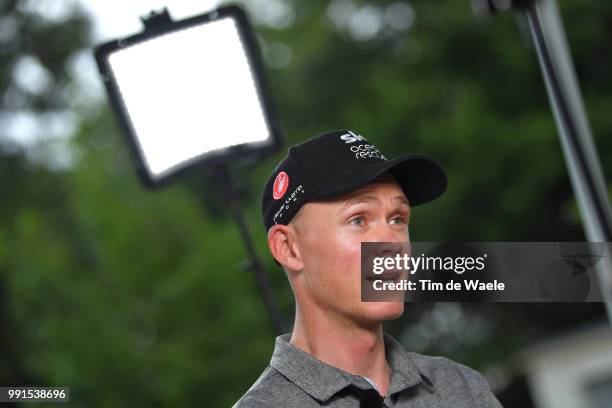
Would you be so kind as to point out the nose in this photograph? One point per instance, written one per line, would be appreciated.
(389, 233)
(393, 240)
(390, 239)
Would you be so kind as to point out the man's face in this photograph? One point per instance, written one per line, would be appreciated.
(329, 236)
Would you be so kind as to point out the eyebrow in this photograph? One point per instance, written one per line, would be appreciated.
(370, 199)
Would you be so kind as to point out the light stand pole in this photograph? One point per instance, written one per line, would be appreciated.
(222, 178)
(579, 150)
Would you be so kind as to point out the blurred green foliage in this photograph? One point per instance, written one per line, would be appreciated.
(138, 298)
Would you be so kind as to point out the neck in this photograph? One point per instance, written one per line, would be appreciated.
(342, 343)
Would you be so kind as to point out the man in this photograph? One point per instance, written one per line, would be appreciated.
(324, 198)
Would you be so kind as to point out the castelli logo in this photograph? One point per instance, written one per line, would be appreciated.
(280, 185)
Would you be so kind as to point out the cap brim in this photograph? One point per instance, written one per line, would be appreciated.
(421, 178)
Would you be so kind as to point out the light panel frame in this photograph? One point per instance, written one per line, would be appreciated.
(241, 153)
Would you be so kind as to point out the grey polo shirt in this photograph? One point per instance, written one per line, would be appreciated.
(295, 378)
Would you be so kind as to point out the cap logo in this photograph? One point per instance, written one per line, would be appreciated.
(367, 151)
(351, 137)
(280, 185)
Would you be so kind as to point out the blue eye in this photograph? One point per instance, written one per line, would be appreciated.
(357, 220)
(399, 220)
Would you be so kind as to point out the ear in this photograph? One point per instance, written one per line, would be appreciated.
(283, 246)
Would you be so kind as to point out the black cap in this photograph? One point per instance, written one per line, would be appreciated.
(338, 162)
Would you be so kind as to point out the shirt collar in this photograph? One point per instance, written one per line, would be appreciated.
(321, 381)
